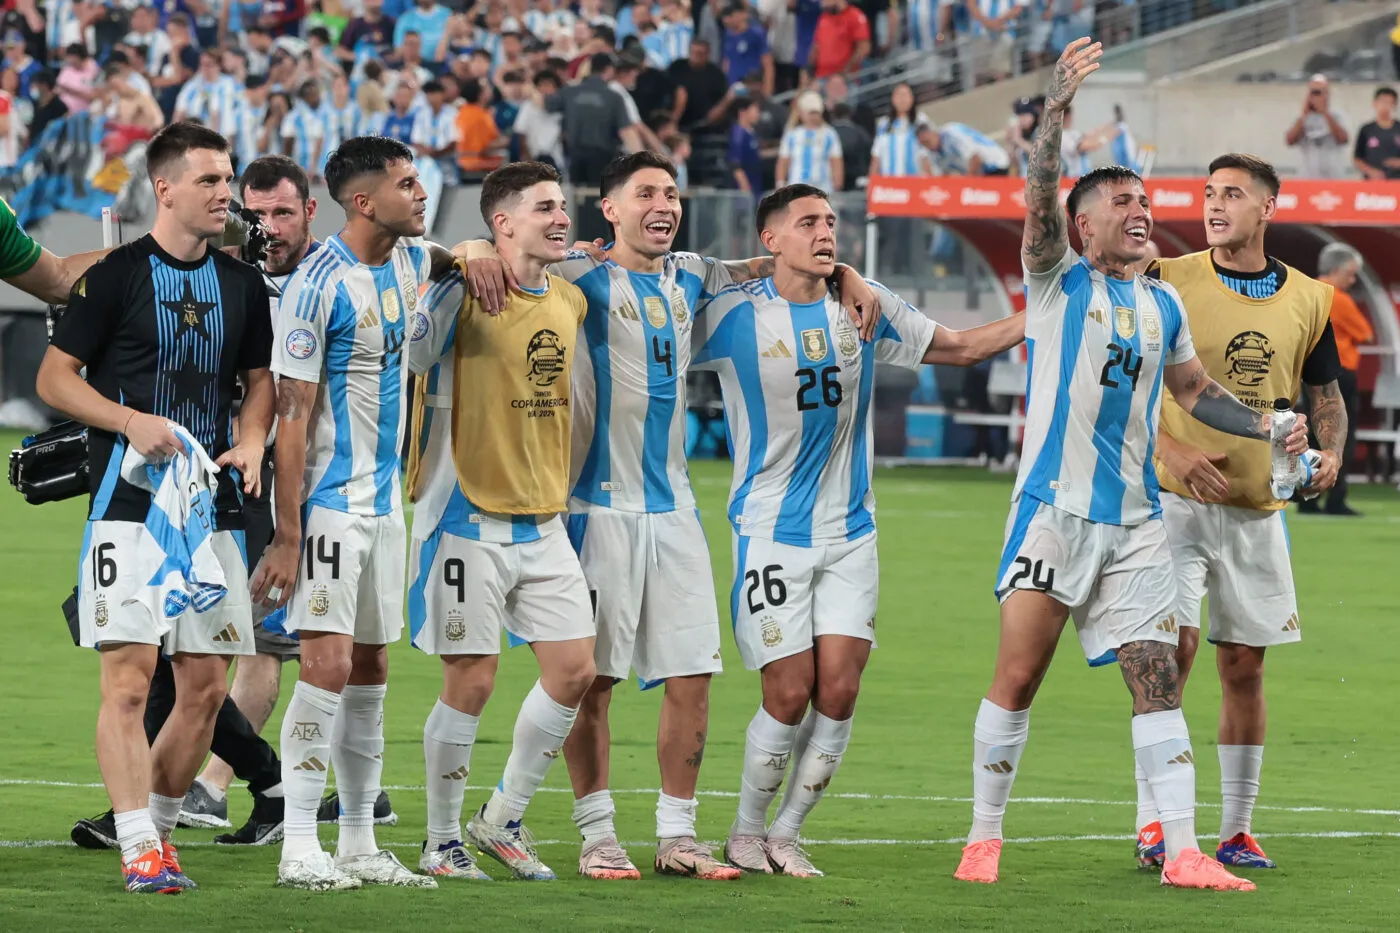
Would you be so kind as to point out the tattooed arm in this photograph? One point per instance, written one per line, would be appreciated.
(1044, 238)
(1329, 426)
(1211, 404)
(277, 571)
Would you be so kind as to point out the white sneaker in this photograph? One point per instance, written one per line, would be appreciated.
(451, 861)
(790, 859)
(748, 853)
(511, 845)
(316, 872)
(383, 867)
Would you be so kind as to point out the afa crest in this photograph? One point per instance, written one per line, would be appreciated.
(770, 632)
(456, 627)
(847, 341)
(319, 603)
(680, 313)
(1151, 325)
(99, 614)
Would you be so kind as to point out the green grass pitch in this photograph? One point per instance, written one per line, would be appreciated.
(888, 832)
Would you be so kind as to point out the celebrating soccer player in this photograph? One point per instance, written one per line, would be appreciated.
(166, 326)
(632, 512)
(1263, 329)
(489, 547)
(798, 386)
(1085, 534)
(338, 352)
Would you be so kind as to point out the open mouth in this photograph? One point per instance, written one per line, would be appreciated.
(558, 237)
(1218, 225)
(825, 255)
(1137, 233)
(661, 227)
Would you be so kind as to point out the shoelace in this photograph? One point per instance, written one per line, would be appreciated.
(695, 850)
(459, 858)
(799, 855)
(613, 856)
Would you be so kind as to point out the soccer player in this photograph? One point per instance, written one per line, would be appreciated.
(632, 512)
(489, 548)
(1263, 329)
(1085, 534)
(798, 388)
(166, 326)
(338, 352)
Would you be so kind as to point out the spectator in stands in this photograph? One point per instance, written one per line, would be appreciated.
(369, 35)
(1377, 152)
(897, 151)
(211, 97)
(1320, 132)
(506, 110)
(745, 47)
(459, 38)
(855, 146)
(249, 143)
(1075, 146)
(1339, 265)
(149, 39)
(374, 107)
(743, 156)
(235, 64)
(283, 17)
(702, 93)
(811, 150)
(279, 105)
(883, 17)
(479, 141)
(676, 146)
(993, 44)
(595, 121)
(257, 42)
(677, 32)
(625, 70)
(591, 12)
(429, 19)
(408, 63)
(304, 131)
(11, 123)
(435, 131)
(175, 75)
(838, 91)
(1020, 131)
(18, 60)
(842, 40)
(77, 78)
(48, 106)
(539, 132)
(399, 120)
(654, 89)
(512, 57)
(961, 150)
(772, 116)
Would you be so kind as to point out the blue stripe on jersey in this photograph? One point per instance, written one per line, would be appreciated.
(331, 491)
(386, 449)
(524, 528)
(417, 601)
(1025, 511)
(109, 478)
(598, 462)
(1172, 317)
(576, 527)
(1115, 410)
(740, 560)
(859, 521)
(738, 340)
(309, 302)
(1261, 287)
(661, 392)
(1074, 283)
(794, 523)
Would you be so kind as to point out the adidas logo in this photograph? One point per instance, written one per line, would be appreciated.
(778, 351)
(145, 866)
(1168, 625)
(818, 787)
(626, 310)
(552, 753)
(1185, 758)
(999, 767)
(368, 319)
(1292, 624)
(311, 764)
(459, 775)
(228, 636)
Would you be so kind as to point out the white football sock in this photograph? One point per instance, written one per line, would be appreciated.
(998, 739)
(1162, 746)
(1146, 805)
(357, 749)
(540, 731)
(136, 833)
(799, 748)
(812, 772)
(1239, 787)
(307, 727)
(593, 815)
(216, 794)
(675, 817)
(767, 753)
(165, 813)
(448, 736)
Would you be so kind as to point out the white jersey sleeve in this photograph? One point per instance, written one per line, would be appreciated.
(1044, 295)
(304, 313)
(1180, 347)
(903, 334)
(435, 322)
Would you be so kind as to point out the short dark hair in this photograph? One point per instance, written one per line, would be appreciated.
(255, 81)
(174, 141)
(606, 33)
(46, 78)
(506, 183)
(777, 201)
(433, 87)
(546, 74)
(471, 90)
(76, 48)
(362, 155)
(622, 168)
(319, 32)
(1385, 91)
(600, 62)
(1103, 175)
(1258, 169)
(267, 172)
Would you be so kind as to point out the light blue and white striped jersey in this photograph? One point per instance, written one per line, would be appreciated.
(798, 384)
(810, 152)
(491, 42)
(329, 118)
(958, 143)
(544, 25)
(898, 148)
(435, 130)
(304, 127)
(1073, 163)
(1097, 347)
(1125, 149)
(924, 19)
(250, 125)
(341, 323)
(628, 446)
(214, 103)
(670, 43)
(992, 9)
(351, 121)
(441, 504)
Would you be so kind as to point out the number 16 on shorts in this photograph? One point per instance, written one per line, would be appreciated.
(785, 596)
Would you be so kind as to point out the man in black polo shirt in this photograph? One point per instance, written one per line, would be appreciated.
(1377, 152)
(166, 326)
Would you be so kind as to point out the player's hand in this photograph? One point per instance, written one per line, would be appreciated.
(248, 462)
(860, 302)
(489, 281)
(593, 248)
(151, 436)
(1297, 441)
(1079, 60)
(1198, 471)
(1325, 476)
(276, 573)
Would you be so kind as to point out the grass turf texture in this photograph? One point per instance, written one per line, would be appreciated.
(1331, 754)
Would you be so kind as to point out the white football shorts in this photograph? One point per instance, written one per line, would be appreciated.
(785, 596)
(1239, 558)
(351, 576)
(653, 588)
(1117, 580)
(115, 604)
(465, 592)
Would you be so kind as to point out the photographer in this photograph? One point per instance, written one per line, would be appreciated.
(1320, 133)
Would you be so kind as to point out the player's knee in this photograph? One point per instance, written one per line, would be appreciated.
(1241, 669)
(578, 676)
(125, 696)
(329, 670)
(786, 700)
(836, 696)
(369, 664)
(202, 699)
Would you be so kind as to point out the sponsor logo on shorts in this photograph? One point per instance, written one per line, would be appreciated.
(319, 603)
(655, 311)
(1126, 319)
(814, 344)
(770, 632)
(99, 615)
(389, 301)
(229, 636)
(455, 628)
(1168, 625)
(420, 326)
(1249, 355)
(306, 731)
(1290, 626)
(301, 343)
(175, 603)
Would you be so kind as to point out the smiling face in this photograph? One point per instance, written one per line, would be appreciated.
(196, 191)
(1115, 222)
(803, 237)
(645, 211)
(1237, 208)
(536, 222)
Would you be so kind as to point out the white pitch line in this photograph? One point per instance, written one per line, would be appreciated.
(954, 841)
(911, 798)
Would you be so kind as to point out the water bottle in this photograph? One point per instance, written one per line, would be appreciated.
(1283, 477)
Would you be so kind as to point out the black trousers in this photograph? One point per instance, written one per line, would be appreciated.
(1346, 382)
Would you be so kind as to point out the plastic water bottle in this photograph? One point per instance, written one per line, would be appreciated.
(1283, 478)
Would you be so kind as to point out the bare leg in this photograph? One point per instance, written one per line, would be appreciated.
(257, 680)
(184, 739)
(123, 755)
